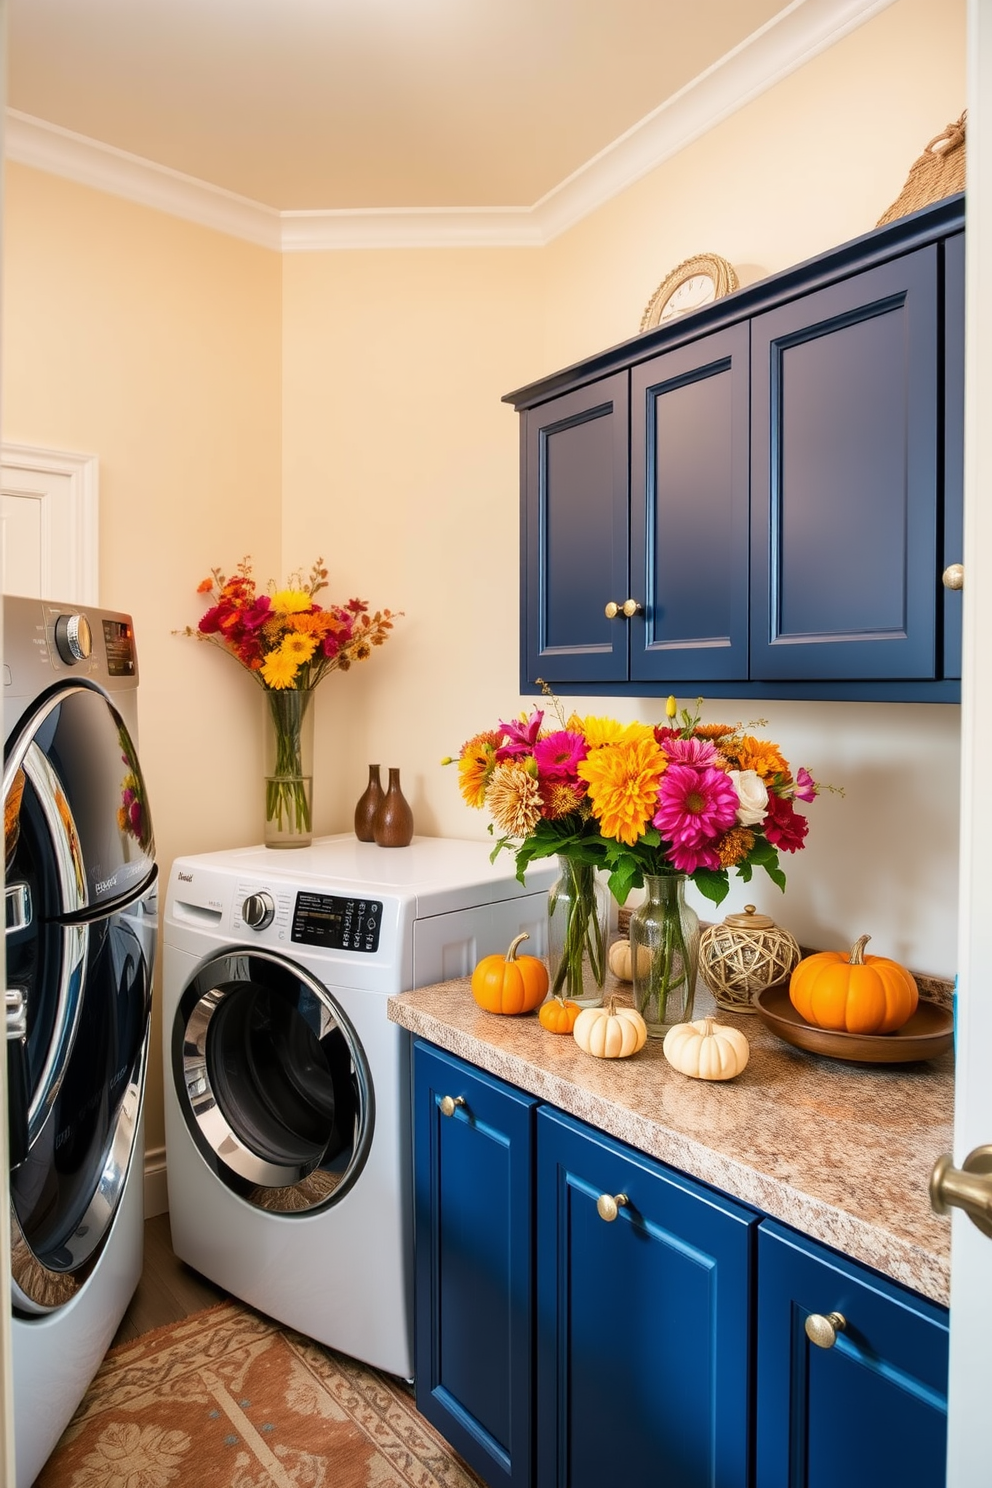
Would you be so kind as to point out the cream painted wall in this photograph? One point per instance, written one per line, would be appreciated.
(394, 367)
(400, 466)
(155, 345)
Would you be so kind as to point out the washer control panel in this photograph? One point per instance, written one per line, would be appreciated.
(336, 923)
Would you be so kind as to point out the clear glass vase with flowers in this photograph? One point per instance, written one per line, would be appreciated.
(651, 805)
(288, 643)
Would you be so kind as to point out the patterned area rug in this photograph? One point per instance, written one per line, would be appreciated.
(227, 1399)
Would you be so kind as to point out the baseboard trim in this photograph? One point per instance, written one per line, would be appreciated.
(156, 1190)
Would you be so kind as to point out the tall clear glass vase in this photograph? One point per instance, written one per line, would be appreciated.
(288, 767)
(664, 953)
(578, 920)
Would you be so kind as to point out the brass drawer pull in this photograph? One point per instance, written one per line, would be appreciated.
(608, 1206)
(450, 1103)
(823, 1330)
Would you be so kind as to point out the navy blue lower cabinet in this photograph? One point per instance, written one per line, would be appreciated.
(473, 1144)
(869, 1408)
(643, 1343)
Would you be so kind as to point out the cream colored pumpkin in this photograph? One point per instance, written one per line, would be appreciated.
(610, 1032)
(620, 960)
(706, 1050)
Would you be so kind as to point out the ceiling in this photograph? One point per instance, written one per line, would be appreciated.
(372, 106)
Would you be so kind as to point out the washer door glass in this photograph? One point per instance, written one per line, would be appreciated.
(65, 1194)
(273, 1082)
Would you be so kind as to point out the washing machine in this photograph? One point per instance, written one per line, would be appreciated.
(81, 919)
(287, 1088)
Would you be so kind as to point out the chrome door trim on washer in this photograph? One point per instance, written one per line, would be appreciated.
(236, 1117)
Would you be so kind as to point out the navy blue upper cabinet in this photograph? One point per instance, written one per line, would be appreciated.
(869, 1409)
(689, 510)
(574, 524)
(643, 1346)
(771, 485)
(844, 391)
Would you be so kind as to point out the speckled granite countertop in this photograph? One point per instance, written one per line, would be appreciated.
(840, 1151)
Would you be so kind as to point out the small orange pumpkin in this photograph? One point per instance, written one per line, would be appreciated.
(510, 983)
(853, 994)
(558, 1014)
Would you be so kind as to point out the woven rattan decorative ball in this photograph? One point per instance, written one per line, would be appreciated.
(744, 954)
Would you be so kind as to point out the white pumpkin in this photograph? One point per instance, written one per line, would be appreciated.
(706, 1050)
(610, 1032)
(621, 960)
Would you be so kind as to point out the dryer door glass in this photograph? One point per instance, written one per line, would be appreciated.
(74, 794)
(278, 1096)
(65, 1194)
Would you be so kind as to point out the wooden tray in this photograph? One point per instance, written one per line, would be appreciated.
(929, 1032)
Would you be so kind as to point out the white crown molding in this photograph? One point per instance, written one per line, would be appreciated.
(425, 227)
(789, 40)
(60, 152)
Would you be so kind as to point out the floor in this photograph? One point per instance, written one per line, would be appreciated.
(168, 1290)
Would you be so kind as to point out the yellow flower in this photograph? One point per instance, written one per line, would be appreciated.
(291, 601)
(599, 731)
(758, 755)
(513, 798)
(279, 670)
(623, 785)
(298, 647)
(475, 764)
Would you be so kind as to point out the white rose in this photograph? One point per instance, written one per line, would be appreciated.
(752, 795)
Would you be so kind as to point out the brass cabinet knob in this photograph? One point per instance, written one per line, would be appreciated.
(612, 610)
(608, 1206)
(628, 608)
(631, 607)
(822, 1330)
(968, 1187)
(953, 576)
(450, 1103)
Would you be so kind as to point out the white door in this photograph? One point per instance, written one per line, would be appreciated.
(969, 1453)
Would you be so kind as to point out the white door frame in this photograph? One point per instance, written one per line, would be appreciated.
(971, 1252)
(62, 489)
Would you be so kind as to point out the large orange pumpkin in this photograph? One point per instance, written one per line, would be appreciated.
(855, 993)
(510, 983)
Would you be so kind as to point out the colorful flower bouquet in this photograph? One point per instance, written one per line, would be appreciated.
(637, 801)
(288, 643)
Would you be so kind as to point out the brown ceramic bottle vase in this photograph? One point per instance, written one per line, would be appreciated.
(393, 824)
(368, 804)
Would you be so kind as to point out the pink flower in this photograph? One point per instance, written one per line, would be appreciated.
(695, 806)
(687, 859)
(520, 737)
(805, 787)
(784, 827)
(689, 751)
(560, 753)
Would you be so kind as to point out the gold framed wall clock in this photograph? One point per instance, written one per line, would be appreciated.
(695, 282)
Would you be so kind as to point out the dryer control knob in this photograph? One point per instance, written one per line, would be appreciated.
(258, 910)
(73, 638)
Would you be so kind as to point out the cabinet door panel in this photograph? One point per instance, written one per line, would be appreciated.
(575, 524)
(953, 446)
(473, 1259)
(844, 478)
(689, 510)
(870, 1410)
(643, 1356)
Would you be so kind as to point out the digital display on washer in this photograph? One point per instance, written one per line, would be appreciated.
(335, 923)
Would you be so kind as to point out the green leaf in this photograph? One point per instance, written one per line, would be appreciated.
(712, 883)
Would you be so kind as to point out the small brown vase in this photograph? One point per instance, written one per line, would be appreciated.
(393, 825)
(368, 804)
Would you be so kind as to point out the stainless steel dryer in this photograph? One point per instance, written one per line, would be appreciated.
(80, 937)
